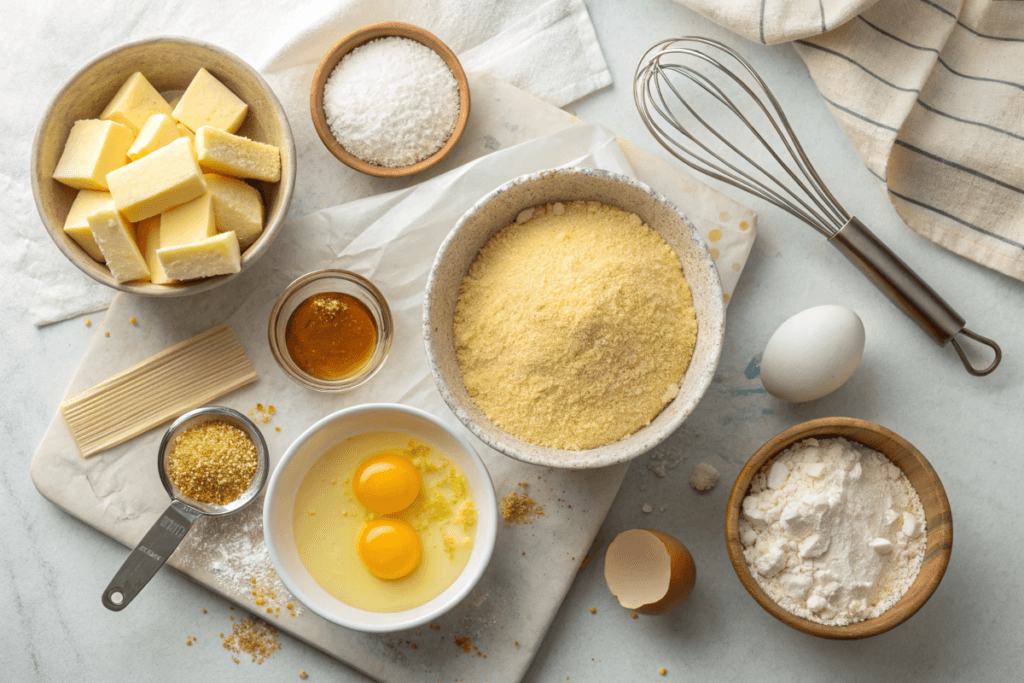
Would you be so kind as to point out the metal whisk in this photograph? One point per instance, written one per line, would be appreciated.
(673, 75)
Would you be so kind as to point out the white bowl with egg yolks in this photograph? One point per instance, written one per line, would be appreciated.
(301, 456)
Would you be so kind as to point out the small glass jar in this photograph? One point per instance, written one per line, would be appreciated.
(333, 281)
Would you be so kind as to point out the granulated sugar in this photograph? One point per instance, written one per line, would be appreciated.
(233, 550)
(392, 102)
(833, 531)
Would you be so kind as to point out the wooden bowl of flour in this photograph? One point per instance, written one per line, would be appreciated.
(938, 521)
(358, 38)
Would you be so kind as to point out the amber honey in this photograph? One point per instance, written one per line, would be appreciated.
(331, 335)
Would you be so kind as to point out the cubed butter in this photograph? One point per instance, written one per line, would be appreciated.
(77, 223)
(158, 131)
(187, 223)
(158, 181)
(135, 102)
(116, 239)
(148, 231)
(94, 149)
(208, 102)
(237, 207)
(236, 156)
(217, 255)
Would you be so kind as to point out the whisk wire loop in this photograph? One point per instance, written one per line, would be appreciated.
(655, 91)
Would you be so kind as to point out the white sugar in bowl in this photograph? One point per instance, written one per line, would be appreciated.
(813, 353)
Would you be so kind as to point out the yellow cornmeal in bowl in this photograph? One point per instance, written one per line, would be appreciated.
(574, 326)
(327, 519)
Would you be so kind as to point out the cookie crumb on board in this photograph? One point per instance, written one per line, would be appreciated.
(704, 477)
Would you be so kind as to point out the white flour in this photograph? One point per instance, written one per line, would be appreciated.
(392, 102)
(833, 531)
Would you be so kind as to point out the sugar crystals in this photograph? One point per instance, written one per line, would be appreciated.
(392, 102)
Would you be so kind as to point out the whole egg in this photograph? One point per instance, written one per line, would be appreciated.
(813, 353)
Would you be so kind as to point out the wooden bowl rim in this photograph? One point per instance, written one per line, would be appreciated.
(360, 37)
(77, 255)
(824, 428)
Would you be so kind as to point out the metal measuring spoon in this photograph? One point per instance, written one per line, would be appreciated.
(161, 540)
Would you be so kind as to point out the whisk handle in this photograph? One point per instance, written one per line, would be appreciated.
(904, 287)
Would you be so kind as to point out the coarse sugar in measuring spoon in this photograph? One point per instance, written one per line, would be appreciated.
(212, 461)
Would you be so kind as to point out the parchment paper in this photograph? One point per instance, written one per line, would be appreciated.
(391, 239)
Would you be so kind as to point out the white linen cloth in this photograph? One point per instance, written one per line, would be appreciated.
(930, 92)
(547, 47)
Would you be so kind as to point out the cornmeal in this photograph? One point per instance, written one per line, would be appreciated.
(574, 326)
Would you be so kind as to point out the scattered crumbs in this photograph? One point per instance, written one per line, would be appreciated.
(277, 428)
(414, 646)
(593, 610)
(204, 610)
(465, 642)
(88, 323)
(643, 488)
(518, 509)
(633, 616)
(586, 561)
(516, 643)
(658, 469)
(303, 674)
(188, 640)
(132, 321)
(106, 334)
(704, 477)
(254, 637)
(646, 509)
(662, 671)
(265, 413)
(435, 627)
(662, 509)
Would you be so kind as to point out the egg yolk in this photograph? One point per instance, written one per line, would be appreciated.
(389, 548)
(386, 483)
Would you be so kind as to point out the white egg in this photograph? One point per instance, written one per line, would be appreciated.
(812, 354)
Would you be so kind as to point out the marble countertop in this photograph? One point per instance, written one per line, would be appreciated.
(53, 567)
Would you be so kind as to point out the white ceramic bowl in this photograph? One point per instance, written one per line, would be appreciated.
(496, 211)
(300, 456)
(169, 63)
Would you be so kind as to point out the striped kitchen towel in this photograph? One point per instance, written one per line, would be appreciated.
(931, 93)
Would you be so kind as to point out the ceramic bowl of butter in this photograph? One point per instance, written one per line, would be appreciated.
(874, 575)
(380, 518)
(573, 318)
(199, 157)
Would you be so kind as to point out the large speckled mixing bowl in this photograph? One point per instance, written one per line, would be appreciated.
(496, 211)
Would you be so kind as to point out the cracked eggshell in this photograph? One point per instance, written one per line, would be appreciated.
(813, 353)
(649, 571)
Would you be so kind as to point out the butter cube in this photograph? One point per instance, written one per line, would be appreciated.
(208, 102)
(135, 102)
(236, 156)
(77, 223)
(237, 207)
(187, 223)
(217, 255)
(158, 131)
(156, 182)
(116, 239)
(148, 231)
(94, 149)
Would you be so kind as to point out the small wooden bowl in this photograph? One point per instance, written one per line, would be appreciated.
(360, 37)
(169, 63)
(925, 481)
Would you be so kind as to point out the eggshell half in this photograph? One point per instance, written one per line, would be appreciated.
(649, 571)
(812, 354)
